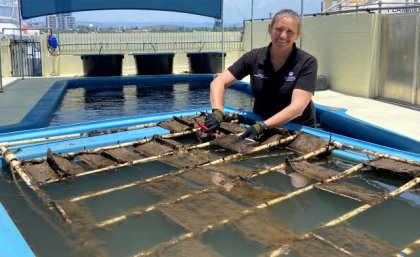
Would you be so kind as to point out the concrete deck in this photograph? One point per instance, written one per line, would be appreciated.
(17, 101)
(404, 121)
(395, 118)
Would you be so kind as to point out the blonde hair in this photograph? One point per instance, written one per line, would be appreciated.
(287, 13)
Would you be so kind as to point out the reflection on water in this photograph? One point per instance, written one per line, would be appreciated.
(297, 180)
(220, 180)
(110, 101)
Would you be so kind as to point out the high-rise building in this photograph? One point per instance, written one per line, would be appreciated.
(61, 21)
(70, 22)
(51, 21)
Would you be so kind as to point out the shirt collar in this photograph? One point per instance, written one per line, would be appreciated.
(267, 54)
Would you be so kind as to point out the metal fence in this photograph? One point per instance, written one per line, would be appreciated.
(79, 43)
(25, 58)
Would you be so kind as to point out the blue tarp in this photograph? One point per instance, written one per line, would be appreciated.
(36, 8)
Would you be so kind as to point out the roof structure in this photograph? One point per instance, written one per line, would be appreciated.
(36, 8)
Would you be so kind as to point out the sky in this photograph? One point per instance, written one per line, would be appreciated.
(235, 11)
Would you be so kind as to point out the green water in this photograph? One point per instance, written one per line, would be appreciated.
(394, 221)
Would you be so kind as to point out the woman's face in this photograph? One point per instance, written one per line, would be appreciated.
(284, 31)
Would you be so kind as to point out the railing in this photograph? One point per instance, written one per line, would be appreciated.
(179, 47)
(349, 6)
(70, 44)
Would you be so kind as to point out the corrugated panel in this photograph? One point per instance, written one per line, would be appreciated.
(398, 58)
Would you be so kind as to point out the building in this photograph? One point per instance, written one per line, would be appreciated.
(51, 22)
(218, 23)
(61, 21)
(373, 5)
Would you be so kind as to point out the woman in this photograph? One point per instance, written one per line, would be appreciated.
(283, 79)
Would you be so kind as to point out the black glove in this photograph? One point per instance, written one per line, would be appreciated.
(255, 131)
(214, 120)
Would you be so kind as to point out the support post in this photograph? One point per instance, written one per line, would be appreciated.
(1, 74)
(223, 39)
(252, 24)
(301, 24)
(22, 67)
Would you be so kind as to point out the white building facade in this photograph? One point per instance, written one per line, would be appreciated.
(61, 21)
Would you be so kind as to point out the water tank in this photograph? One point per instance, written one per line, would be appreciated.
(154, 63)
(95, 65)
(205, 62)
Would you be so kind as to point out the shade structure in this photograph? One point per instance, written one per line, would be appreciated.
(36, 8)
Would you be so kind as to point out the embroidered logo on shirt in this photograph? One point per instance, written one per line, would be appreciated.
(260, 76)
(290, 77)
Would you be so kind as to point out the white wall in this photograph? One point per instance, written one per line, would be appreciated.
(6, 65)
(261, 37)
(347, 50)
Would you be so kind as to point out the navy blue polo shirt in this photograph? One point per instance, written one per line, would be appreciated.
(273, 90)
